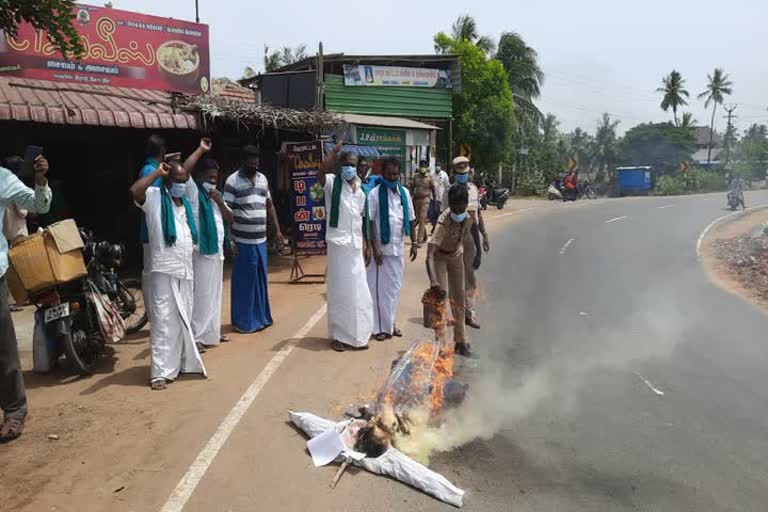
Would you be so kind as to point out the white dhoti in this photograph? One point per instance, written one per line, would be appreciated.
(146, 279)
(385, 281)
(172, 345)
(350, 309)
(206, 316)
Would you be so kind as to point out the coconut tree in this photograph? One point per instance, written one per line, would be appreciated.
(687, 121)
(525, 77)
(463, 29)
(718, 87)
(605, 144)
(674, 93)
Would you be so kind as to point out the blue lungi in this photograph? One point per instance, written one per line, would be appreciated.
(250, 297)
(435, 209)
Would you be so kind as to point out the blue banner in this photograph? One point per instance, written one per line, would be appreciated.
(307, 198)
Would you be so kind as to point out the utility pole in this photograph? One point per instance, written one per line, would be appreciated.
(197, 12)
(730, 117)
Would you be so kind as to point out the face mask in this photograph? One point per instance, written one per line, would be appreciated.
(462, 178)
(348, 172)
(423, 170)
(390, 184)
(209, 186)
(178, 190)
(458, 217)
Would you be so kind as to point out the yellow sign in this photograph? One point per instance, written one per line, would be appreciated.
(684, 166)
(571, 164)
(465, 150)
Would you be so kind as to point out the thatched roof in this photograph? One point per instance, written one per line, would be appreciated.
(258, 116)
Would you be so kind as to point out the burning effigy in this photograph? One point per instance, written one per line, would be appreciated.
(379, 437)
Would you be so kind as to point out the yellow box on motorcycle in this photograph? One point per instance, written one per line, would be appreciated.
(46, 259)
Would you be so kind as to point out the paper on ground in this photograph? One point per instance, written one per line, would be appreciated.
(393, 463)
(325, 447)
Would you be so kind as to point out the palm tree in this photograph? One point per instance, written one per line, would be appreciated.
(604, 146)
(524, 74)
(465, 29)
(688, 121)
(718, 87)
(549, 129)
(290, 55)
(673, 93)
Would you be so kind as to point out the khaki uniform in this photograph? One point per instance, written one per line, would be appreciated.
(448, 240)
(421, 189)
(470, 274)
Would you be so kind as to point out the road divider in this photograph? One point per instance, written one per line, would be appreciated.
(615, 219)
(202, 462)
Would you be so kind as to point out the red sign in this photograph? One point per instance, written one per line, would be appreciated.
(122, 49)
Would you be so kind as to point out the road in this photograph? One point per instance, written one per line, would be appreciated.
(613, 376)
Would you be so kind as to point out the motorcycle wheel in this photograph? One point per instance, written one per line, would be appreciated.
(500, 205)
(130, 302)
(82, 351)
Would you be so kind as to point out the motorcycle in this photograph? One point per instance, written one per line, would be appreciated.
(736, 199)
(497, 196)
(586, 190)
(102, 260)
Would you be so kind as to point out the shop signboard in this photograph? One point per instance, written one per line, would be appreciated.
(388, 141)
(378, 76)
(122, 49)
(307, 198)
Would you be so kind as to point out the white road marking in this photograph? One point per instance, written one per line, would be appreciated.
(565, 247)
(651, 386)
(583, 313)
(720, 219)
(511, 213)
(666, 206)
(615, 219)
(202, 462)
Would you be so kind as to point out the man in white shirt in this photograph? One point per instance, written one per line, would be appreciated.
(172, 235)
(442, 184)
(13, 398)
(390, 210)
(350, 310)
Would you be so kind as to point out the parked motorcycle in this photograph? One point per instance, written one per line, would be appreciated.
(586, 190)
(102, 260)
(555, 191)
(66, 323)
(496, 196)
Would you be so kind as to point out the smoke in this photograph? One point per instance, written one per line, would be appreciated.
(503, 393)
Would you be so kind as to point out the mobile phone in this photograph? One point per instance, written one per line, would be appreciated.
(30, 154)
(170, 157)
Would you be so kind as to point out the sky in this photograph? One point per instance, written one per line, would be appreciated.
(598, 55)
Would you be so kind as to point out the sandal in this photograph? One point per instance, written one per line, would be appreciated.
(11, 429)
(224, 339)
(382, 336)
(338, 346)
(397, 332)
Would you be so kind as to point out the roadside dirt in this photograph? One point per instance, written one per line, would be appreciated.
(122, 447)
(735, 256)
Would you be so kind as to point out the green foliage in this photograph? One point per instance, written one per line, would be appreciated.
(524, 75)
(669, 186)
(661, 145)
(674, 93)
(278, 58)
(751, 153)
(54, 16)
(605, 146)
(484, 112)
(718, 86)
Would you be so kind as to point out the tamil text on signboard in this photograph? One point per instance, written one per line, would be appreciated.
(387, 141)
(307, 198)
(122, 49)
(363, 75)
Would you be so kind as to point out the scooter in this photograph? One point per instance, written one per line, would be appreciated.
(736, 199)
(554, 192)
(497, 196)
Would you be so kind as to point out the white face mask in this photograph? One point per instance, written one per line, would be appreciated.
(209, 186)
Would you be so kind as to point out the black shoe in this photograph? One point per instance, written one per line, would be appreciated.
(463, 349)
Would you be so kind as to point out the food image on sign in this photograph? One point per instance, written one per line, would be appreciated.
(316, 192)
(121, 49)
(318, 213)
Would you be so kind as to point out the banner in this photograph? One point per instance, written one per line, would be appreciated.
(307, 198)
(388, 141)
(122, 49)
(362, 75)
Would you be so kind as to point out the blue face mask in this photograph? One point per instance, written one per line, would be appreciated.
(462, 178)
(390, 184)
(178, 190)
(459, 217)
(348, 172)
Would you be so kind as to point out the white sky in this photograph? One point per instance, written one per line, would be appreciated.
(598, 55)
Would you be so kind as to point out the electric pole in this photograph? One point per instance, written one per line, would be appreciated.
(729, 133)
(197, 12)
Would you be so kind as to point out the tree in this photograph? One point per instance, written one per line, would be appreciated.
(55, 17)
(674, 93)
(484, 112)
(278, 58)
(580, 145)
(549, 128)
(463, 29)
(604, 152)
(688, 121)
(524, 75)
(718, 87)
(661, 145)
(751, 153)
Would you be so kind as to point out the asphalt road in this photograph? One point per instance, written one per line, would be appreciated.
(614, 376)
(604, 325)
